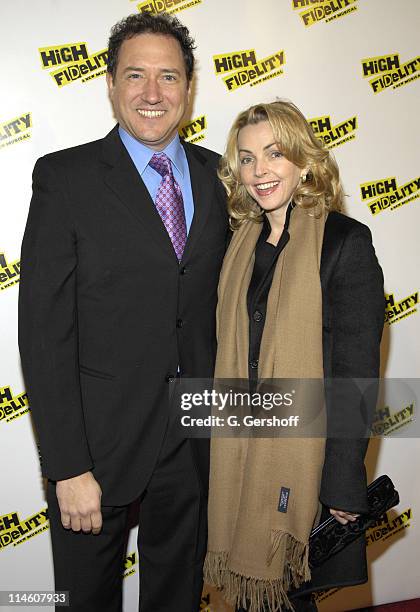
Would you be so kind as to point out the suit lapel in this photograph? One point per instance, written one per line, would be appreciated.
(124, 180)
(202, 184)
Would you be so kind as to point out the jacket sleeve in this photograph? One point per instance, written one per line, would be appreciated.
(48, 335)
(357, 306)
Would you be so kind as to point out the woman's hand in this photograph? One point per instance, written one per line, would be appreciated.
(343, 517)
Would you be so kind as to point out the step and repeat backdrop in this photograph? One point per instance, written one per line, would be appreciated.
(352, 67)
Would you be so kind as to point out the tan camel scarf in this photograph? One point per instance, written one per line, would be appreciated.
(257, 553)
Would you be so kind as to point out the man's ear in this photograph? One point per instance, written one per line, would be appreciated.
(110, 83)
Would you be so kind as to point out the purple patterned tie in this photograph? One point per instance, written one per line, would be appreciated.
(169, 203)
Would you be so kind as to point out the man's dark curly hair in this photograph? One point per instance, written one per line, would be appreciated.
(148, 23)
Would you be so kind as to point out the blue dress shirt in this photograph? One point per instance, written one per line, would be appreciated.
(141, 155)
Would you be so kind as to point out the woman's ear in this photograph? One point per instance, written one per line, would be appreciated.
(304, 175)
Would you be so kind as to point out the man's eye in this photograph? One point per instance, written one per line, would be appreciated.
(169, 77)
(134, 75)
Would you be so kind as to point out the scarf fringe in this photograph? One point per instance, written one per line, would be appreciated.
(296, 567)
(257, 594)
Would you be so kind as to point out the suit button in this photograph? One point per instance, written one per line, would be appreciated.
(179, 323)
(257, 316)
(170, 378)
(254, 364)
(183, 270)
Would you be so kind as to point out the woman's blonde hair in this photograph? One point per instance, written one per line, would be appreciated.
(298, 143)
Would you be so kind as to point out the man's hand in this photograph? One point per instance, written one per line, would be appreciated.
(343, 517)
(79, 499)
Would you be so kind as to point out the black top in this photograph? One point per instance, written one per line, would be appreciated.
(266, 256)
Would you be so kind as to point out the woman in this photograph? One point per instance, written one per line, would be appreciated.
(300, 296)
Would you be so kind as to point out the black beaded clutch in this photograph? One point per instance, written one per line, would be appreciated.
(331, 536)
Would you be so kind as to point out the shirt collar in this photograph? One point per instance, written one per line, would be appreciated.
(267, 227)
(141, 154)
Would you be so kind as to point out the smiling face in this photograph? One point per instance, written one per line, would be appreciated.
(269, 178)
(150, 91)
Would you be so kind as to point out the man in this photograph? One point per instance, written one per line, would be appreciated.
(120, 263)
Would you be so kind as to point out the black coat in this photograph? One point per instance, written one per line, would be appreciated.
(353, 314)
(353, 307)
(107, 314)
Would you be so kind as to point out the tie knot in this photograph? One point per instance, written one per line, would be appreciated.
(161, 163)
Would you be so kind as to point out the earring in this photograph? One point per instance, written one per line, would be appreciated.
(303, 178)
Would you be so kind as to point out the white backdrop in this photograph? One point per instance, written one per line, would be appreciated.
(320, 66)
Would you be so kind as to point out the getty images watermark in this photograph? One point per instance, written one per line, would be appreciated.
(226, 401)
(335, 408)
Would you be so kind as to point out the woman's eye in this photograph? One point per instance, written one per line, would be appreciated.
(246, 160)
(276, 154)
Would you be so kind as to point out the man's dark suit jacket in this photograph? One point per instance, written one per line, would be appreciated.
(107, 314)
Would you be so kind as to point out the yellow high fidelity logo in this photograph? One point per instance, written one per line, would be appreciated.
(14, 530)
(246, 69)
(385, 71)
(334, 135)
(129, 562)
(73, 62)
(323, 10)
(167, 6)
(12, 406)
(194, 130)
(386, 422)
(9, 272)
(388, 525)
(397, 310)
(384, 194)
(15, 130)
